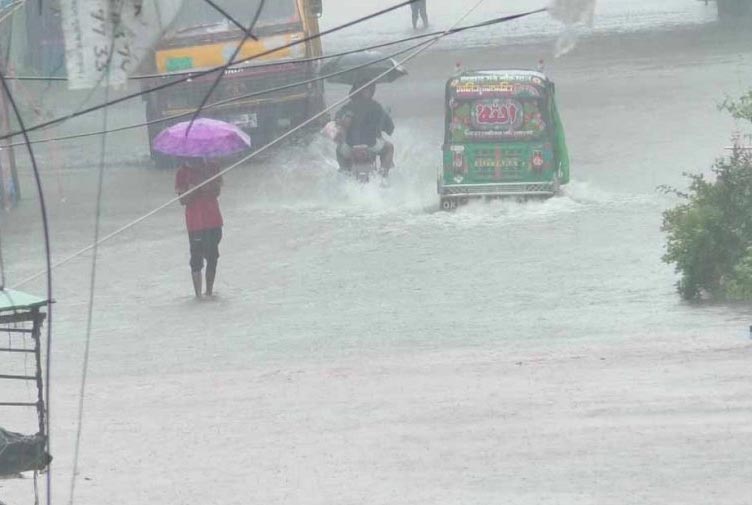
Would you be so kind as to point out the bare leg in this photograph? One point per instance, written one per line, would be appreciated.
(211, 273)
(197, 283)
(424, 15)
(345, 163)
(415, 17)
(387, 157)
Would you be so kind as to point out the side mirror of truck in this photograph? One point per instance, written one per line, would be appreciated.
(317, 8)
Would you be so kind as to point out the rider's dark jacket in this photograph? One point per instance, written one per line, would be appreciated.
(369, 119)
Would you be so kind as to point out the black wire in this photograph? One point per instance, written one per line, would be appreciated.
(223, 102)
(206, 72)
(92, 290)
(230, 100)
(48, 264)
(295, 84)
(221, 74)
(453, 31)
(2, 265)
(232, 19)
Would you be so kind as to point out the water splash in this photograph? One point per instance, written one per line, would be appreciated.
(574, 14)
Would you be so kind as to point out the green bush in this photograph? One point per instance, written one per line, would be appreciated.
(710, 233)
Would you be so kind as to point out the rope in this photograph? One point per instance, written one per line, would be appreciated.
(246, 35)
(90, 307)
(94, 257)
(219, 103)
(125, 98)
(292, 85)
(2, 264)
(453, 31)
(158, 209)
(48, 261)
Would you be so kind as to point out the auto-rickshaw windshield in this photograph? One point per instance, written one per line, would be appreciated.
(201, 14)
(498, 119)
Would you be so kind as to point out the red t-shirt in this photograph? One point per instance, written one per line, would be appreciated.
(202, 206)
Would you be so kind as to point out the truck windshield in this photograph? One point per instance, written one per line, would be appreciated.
(195, 14)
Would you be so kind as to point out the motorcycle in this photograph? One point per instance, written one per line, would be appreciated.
(365, 164)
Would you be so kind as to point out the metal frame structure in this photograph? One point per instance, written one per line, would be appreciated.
(21, 318)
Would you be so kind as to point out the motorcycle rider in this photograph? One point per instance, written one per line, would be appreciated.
(362, 120)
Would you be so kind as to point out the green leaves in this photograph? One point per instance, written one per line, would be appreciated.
(739, 109)
(709, 236)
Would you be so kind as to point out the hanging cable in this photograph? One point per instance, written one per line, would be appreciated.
(158, 209)
(48, 262)
(291, 85)
(222, 102)
(94, 258)
(166, 85)
(2, 264)
(230, 60)
(453, 31)
(235, 21)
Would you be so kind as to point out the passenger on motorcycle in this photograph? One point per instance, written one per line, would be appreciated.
(362, 120)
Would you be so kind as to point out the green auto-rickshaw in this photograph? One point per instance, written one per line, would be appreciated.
(503, 137)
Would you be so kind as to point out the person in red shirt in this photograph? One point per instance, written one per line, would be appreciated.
(202, 218)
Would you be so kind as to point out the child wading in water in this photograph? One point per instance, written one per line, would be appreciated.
(202, 218)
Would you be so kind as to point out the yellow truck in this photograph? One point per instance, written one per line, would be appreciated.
(201, 38)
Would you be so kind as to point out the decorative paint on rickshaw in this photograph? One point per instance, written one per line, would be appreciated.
(503, 127)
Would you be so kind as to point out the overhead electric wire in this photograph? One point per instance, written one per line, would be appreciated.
(204, 72)
(2, 264)
(232, 19)
(92, 290)
(192, 74)
(221, 102)
(291, 85)
(48, 263)
(265, 147)
(220, 75)
(105, 78)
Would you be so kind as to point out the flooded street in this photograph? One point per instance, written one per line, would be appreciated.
(366, 347)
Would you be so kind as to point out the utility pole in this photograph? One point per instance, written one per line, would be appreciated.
(11, 191)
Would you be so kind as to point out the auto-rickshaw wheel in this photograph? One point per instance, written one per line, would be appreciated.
(448, 204)
(556, 186)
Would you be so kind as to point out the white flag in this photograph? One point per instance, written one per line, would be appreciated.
(573, 14)
(116, 31)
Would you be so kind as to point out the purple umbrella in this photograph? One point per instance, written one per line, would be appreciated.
(208, 138)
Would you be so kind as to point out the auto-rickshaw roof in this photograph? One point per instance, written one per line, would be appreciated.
(502, 75)
(489, 83)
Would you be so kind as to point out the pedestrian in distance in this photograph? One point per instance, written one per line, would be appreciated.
(202, 218)
(419, 10)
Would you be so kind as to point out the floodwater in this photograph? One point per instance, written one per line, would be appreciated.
(611, 16)
(365, 347)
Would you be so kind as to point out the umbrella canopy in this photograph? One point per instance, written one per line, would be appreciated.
(377, 65)
(207, 138)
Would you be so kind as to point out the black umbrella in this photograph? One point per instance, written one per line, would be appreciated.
(366, 66)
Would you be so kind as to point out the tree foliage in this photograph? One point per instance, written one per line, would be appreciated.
(709, 235)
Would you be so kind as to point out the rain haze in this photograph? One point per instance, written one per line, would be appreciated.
(365, 345)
